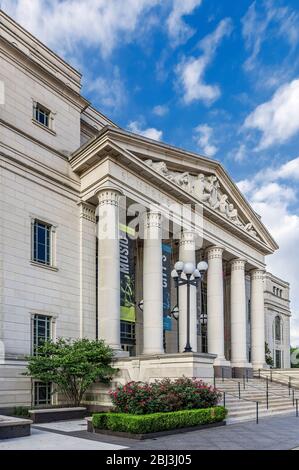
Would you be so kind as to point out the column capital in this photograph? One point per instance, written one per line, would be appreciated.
(87, 211)
(108, 195)
(153, 218)
(187, 239)
(257, 274)
(214, 252)
(238, 264)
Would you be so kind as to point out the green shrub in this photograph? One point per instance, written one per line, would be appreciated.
(165, 395)
(21, 411)
(143, 424)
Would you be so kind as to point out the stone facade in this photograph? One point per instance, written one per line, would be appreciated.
(277, 319)
(70, 174)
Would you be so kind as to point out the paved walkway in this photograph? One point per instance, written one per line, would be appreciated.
(279, 433)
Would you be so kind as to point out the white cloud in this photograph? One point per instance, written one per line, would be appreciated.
(64, 24)
(203, 135)
(277, 119)
(178, 31)
(160, 110)
(110, 93)
(190, 71)
(264, 20)
(272, 196)
(240, 154)
(150, 132)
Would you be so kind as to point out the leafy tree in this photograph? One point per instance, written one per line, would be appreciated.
(72, 366)
(268, 356)
(295, 357)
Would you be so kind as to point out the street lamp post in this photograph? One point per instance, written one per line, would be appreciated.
(193, 276)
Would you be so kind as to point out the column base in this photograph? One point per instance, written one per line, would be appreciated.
(222, 368)
(120, 353)
(238, 372)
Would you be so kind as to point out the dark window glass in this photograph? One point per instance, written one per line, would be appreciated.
(41, 115)
(41, 331)
(42, 393)
(277, 328)
(42, 242)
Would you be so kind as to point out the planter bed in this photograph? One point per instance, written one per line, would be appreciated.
(47, 415)
(157, 424)
(11, 427)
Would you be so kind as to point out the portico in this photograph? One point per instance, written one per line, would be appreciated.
(220, 228)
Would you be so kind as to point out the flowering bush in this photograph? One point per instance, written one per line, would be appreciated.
(161, 396)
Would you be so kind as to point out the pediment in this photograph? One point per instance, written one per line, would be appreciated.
(208, 189)
(188, 177)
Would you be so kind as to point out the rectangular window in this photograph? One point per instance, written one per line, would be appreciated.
(41, 241)
(42, 393)
(41, 115)
(41, 331)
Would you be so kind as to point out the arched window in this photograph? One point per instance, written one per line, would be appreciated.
(277, 328)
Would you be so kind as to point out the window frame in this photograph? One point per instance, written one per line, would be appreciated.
(52, 244)
(49, 394)
(51, 335)
(39, 109)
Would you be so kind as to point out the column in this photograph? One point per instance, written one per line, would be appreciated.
(238, 318)
(257, 319)
(152, 285)
(108, 267)
(187, 254)
(215, 306)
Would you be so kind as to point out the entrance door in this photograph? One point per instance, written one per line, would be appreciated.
(278, 359)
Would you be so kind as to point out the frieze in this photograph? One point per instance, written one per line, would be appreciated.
(207, 189)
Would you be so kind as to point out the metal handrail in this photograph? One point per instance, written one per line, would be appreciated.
(274, 371)
(266, 400)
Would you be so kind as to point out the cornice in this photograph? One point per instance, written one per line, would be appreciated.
(43, 74)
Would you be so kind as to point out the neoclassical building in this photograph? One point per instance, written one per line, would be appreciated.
(93, 220)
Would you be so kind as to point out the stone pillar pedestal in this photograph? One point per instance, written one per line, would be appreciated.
(215, 303)
(257, 319)
(239, 361)
(108, 267)
(187, 254)
(152, 285)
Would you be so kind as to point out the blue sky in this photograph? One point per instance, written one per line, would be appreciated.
(218, 77)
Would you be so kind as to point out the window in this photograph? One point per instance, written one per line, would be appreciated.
(41, 242)
(41, 114)
(277, 328)
(128, 337)
(42, 393)
(41, 331)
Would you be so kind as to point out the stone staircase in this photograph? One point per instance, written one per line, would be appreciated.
(280, 398)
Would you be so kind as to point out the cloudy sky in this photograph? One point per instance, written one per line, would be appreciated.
(218, 77)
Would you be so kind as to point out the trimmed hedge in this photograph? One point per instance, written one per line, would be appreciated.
(155, 422)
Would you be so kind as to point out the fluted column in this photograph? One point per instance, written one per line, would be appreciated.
(238, 317)
(215, 305)
(187, 254)
(108, 267)
(152, 285)
(257, 319)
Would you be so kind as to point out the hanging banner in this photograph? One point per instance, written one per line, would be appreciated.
(127, 274)
(166, 267)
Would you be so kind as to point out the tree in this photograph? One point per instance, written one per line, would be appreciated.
(295, 357)
(268, 356)
(72, 366)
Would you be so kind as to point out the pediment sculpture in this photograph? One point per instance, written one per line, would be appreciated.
(207, 189)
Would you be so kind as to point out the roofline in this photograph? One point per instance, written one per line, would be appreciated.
(36, 40)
